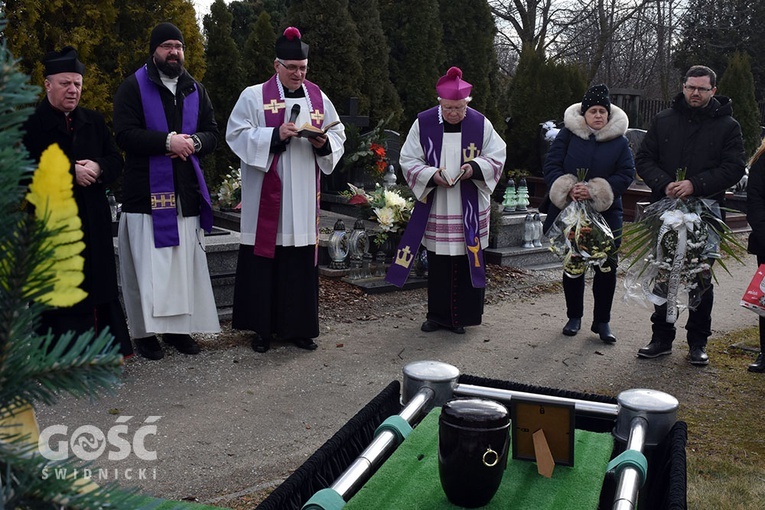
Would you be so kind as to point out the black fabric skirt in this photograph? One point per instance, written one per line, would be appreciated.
(278, 296)
(452, 299)
(81, 320)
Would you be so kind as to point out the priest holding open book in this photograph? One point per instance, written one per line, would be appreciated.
(276, 291)
(452, 159)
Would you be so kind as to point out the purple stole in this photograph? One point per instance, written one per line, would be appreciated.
(163, 212)
(431, 141)
(271, 191)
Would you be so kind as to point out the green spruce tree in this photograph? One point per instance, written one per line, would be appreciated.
(35, 369)
(417, 59)
(224, 81)
(258, 53)
(738, 84)
(384, 103)
(540, 91)
(469, 32)
(333, 59)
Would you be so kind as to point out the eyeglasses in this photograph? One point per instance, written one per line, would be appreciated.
(292, 67)
(453, 109)
(170, 46)
(697, 89)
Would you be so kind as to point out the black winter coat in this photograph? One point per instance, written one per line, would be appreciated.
(139, 143)
(89, 138)
(606, 156)
(707, 142)
(755, 207)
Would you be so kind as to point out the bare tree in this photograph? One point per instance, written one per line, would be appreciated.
(624, 42)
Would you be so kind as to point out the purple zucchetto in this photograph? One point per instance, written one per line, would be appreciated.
(452, 86)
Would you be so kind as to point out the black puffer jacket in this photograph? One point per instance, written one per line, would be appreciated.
(707, 142)
(139, 143)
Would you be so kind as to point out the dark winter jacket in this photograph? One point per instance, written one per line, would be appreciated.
(706, 142)
(755, 207)
(89, 138)
(605, 154)
(139, 143)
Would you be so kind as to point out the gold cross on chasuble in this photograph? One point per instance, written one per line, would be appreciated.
(163, 200)
(318, 116)
(472, 154)
(274, 106)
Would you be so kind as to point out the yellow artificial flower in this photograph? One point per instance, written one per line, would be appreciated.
(51, 194)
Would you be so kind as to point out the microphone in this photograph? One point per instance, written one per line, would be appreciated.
(293, 117)
(294, 113)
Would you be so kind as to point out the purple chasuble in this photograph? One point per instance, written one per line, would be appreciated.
(163, 208)
(431, 141)
(274, 109)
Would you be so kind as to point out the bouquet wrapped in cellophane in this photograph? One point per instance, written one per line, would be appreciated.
(671, 247)
(581, 237)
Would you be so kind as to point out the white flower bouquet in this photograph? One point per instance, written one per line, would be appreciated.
(229, 194)
(581, 237)
(388, 208)
(672, 248)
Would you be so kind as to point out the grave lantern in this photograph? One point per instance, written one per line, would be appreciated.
(338, 246)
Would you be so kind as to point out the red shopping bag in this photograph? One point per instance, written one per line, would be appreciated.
(754, 297)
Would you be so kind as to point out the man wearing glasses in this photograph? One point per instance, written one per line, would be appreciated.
(163, 120)
(699, 135)
(452, 160)
(276, 291)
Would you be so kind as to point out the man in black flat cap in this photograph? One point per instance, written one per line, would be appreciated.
(164, 121)
(95, 163)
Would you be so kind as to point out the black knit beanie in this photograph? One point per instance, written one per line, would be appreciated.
(164, 32)
(596, 95)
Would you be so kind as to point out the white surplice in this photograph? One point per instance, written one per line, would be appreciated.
(444, 233)
(250, 139)
(166, 290)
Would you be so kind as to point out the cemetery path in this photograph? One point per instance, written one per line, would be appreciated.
(235, 423)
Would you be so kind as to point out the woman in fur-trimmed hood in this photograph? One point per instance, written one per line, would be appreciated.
(593, 139)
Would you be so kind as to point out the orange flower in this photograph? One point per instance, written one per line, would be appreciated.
(378, 150)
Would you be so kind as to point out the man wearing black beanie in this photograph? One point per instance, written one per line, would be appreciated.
(164, 121)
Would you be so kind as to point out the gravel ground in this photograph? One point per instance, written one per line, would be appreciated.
(235, 423)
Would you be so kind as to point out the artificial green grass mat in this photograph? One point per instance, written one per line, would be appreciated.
(409, 480)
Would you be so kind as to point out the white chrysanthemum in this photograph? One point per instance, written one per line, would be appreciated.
(393, 199)
(385, 218)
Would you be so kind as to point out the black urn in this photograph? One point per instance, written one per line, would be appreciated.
(473, 441)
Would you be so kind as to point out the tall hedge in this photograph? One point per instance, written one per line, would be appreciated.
(541, 90)
(738, 84)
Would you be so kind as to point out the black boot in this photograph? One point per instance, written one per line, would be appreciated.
(604, 332)
(759, 365)
(572, 327)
